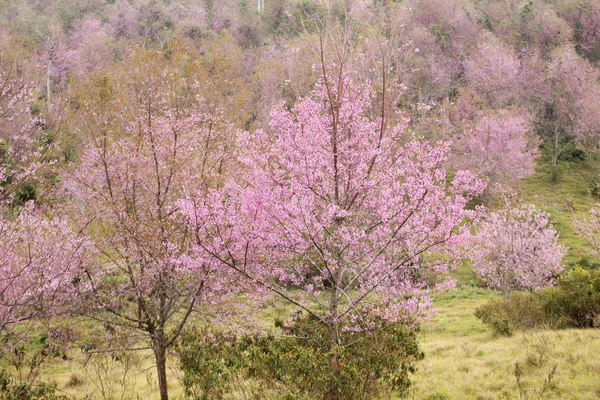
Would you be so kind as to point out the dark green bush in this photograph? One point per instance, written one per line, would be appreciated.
(24, 193)
(573, 303)
(11, 390)
(302, 363)
(594, 187)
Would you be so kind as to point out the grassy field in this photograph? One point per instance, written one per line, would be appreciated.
(463, 360)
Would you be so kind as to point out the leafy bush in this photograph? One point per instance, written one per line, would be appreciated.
(209, 361)
(594, 187)
(573, 303)
(300, 367)
(11, 390)
(522, 311)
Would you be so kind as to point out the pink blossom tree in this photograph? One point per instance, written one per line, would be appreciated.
(494, 72)
(517, 249)
(500, 150)
(39, 259)
(571, 95)
(589, 229)
(22, 148)
(338, 213)
(148, 146)
(589, 32)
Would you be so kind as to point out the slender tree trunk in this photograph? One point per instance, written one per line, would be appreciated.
(48, 81)
(598, 152)
(332, 331)
(160, 353)
(556, 150)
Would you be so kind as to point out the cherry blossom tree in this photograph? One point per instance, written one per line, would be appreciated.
(20, 152)
(517, 249)
(336, 216)
(589, 229)
(589, 35)
(39, 259)
(571, 95)
(150, 143)
(499, 149)
(494, 72)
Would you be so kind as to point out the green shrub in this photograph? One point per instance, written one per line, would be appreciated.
(302, 364)
(522, 311)
(594, 187)
(209, 361)
(11, 390)
(573, 303)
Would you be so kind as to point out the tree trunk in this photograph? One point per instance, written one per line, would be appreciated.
(332, 331)
(48, 70)
(160, 353)
(555, 152)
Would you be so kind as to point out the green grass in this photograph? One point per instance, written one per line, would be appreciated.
(464, 360)
(565, 198)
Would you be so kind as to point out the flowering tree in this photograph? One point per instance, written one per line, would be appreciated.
(20, 148)
(33, 263)
(571, 96)
(39, 258)
(589, 229)
(589, 32)
(517, 248)
(499, 150)
(494, 71)
(150, 144)
(338, 213)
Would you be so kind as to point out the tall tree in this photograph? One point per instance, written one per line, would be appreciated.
(336, 216)
(500, 150)
(150, 144)
(517, 248)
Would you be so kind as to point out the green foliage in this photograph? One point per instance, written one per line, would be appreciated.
(594, 186)
(453, 93)
(209, 361)
(302, 363)
(12, 390)
(527, 8)
(3, 149)
(573, 303)
(522, 311)
(442, 31)
(24, 193)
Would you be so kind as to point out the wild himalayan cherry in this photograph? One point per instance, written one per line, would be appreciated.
(572, 96)
(20, 147)
(40, 258)
(127, 186)
(499, 149)
(517, 249)
(589, 229)
(337, 213)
